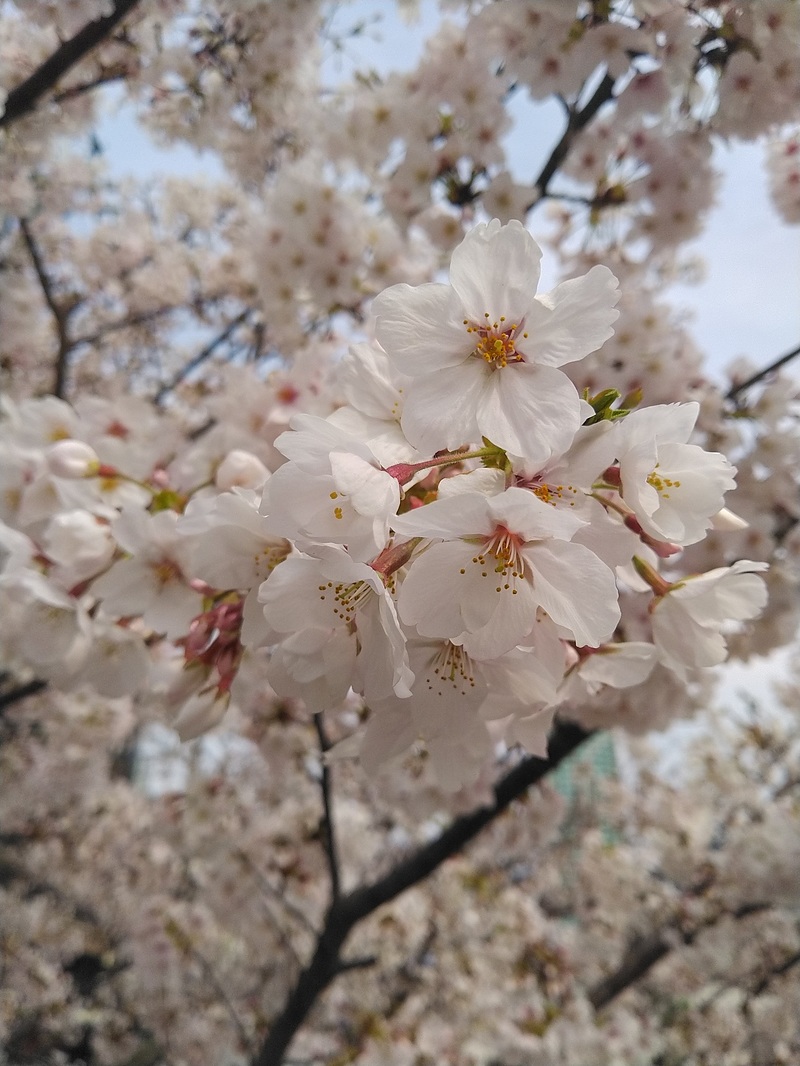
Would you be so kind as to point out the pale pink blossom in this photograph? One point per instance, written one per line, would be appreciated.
(483, 352)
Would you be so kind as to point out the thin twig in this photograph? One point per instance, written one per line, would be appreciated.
(59, 312)
(124, 323)
(328, 827)
(273, 920)
(734, 391)
(201, 357)
(87, 86)
(348, 910)
(360, 962)
(219, 988)
(269, 889)
(576, 122)
(24, 98)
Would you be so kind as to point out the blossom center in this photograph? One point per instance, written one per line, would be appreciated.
(496, 341)
(450, 667)
(347, 598)
(166, 572)
(506, 547)
(662, 484)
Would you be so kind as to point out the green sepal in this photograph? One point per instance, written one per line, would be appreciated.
(497, 459)
(167, 500)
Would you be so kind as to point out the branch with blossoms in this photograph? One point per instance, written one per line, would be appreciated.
(577, 120)
(467, 545)
(643, 955)
(347, 911)
(25, 97)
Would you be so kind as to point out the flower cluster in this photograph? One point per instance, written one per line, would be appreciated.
(449, 545)
(463, 591)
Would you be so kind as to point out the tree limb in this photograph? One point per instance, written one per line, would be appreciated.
(24, 98)
(59, 312)
(328, 829)
(734, 391)
(141, 318)
(576, 122)
(649, 950)
(348, 910)
(200, 358)
(14, 695)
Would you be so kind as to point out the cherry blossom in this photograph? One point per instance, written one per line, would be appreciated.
(262, 472)
(494, 561)
(483, 352)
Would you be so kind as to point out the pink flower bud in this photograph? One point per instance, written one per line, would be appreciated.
(72, 459)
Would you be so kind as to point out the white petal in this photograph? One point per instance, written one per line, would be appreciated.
(430, 596)
(451, 517)
(422, 328)
(522, 512)
(582, 310)
(496, 270)
(531, 411)
(371, 491)
(440, 409)
(576, 589)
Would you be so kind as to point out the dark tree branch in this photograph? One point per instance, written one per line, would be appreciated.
(14, 695)
(779, 971)
(59, 312)
(641, 958)
(649, 950)
(348, 910)
(25, 97)
(200, 358)
(576, 122)
(734, 391)
(139, 319)
(361, 962)
(87, 86)
(328, 829)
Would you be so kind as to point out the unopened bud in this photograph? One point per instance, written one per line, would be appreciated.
(72, 459)
(240, 469)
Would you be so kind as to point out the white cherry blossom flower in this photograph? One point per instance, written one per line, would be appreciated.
(152, 582)
(72, 459)
(331, 492)
(227, 542)
(496, 560)
(79, 544)
(483, 352)
(674, 488)
(337, 594)
(442, 711)
(688, 619)
(620, 665)
(118, 664)
(41, 623)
